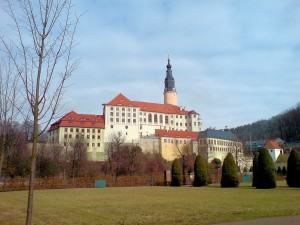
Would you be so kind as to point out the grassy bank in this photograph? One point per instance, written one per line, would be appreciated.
(150, 205)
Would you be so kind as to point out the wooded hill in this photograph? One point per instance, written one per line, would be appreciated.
(285, 126)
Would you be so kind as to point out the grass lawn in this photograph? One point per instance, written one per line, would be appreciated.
(150, 205)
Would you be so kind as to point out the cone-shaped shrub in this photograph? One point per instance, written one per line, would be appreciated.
(279, 171)
(176, 173)
(283, 171)
(293, 170)
(229, 172)
(200, 170)
(265, 171)
(254, 168)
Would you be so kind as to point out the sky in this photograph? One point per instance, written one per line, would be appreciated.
(234, 62)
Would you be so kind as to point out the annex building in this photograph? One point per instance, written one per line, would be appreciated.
(143, 123)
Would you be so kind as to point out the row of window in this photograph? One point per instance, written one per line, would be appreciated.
(219, 142)
(218, 149)
(82, 130)
(176, 141)
(82, 136)
(122, 109)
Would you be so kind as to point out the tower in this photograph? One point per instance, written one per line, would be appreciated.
(170, 95)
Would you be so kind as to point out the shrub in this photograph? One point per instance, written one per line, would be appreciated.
(254, 168)
(293, 170)
(176, 173)
(251, 169)
(283, 171)
(265, 171)
(279, 171)
(229, 172)
(200, 171)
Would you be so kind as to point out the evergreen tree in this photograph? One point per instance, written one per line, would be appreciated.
(176, 173)
(265, 171)
(229, 172)
(279, 171)
(293, 170)
(283, 171)
(200, 171)
(254, 169)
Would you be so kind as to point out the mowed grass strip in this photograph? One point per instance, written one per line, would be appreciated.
(150, 205)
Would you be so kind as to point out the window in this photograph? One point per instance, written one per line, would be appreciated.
(176, 124)
(161, 119)
(166, 119)
(88, 130)
(76, 136)
(87, 144)
(93, 130)
(71, 130)
(155, 118)
(128, 120)
(111, 126)
(180, 117)
(93, 144)
(111, 120)
(117, 114)
(111, 113)
(88, 136)
(128, 114)
(165, 140)
(123, 109)
(82, 130)
(123, 120)
(123, 114)
(98, 130)
(134, 110)
(65, 136)
(98, 144)
(117, 109)
(98, 136)
(93, 136)
(149, 118)
(66, 129)
(134, 120)
(117, 120)
(134, 114)
(126, 127)
(144, 120)
(184, 142)
(111, 108)
(180, 141)
(77, 130)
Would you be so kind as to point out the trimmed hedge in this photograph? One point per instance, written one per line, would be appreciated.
(229, 172)
(254, 169)
(293, 170)
(176, 173)
(265, 171)
(200, 170)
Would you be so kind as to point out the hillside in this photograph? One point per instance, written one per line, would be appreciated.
(285, 125)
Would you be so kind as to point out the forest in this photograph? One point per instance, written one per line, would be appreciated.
(286, 126)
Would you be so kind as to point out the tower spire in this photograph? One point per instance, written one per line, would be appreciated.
(170, 96)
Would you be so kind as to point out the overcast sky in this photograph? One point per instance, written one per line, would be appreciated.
(234, 62)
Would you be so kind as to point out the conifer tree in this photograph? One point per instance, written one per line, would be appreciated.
(229, 172)
(254, 169)
(265, 171)
(176, 173)
(279, 171)
(293, 170)
(200, 171)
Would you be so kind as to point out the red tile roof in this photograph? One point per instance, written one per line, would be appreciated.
(176, 134)
(121, 100)
(271, 144)
(73, 119)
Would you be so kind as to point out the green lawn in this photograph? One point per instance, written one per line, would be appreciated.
(150, 205)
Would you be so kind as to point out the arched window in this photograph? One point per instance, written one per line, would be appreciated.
(160, 119)
(155, 118)
(149, 118)
(166, 119)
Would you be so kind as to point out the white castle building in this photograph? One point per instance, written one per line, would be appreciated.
(137, 120)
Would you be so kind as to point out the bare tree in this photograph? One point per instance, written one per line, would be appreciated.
(42, 56)
(10, 103)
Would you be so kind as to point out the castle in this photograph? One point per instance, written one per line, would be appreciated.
(165, 128)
